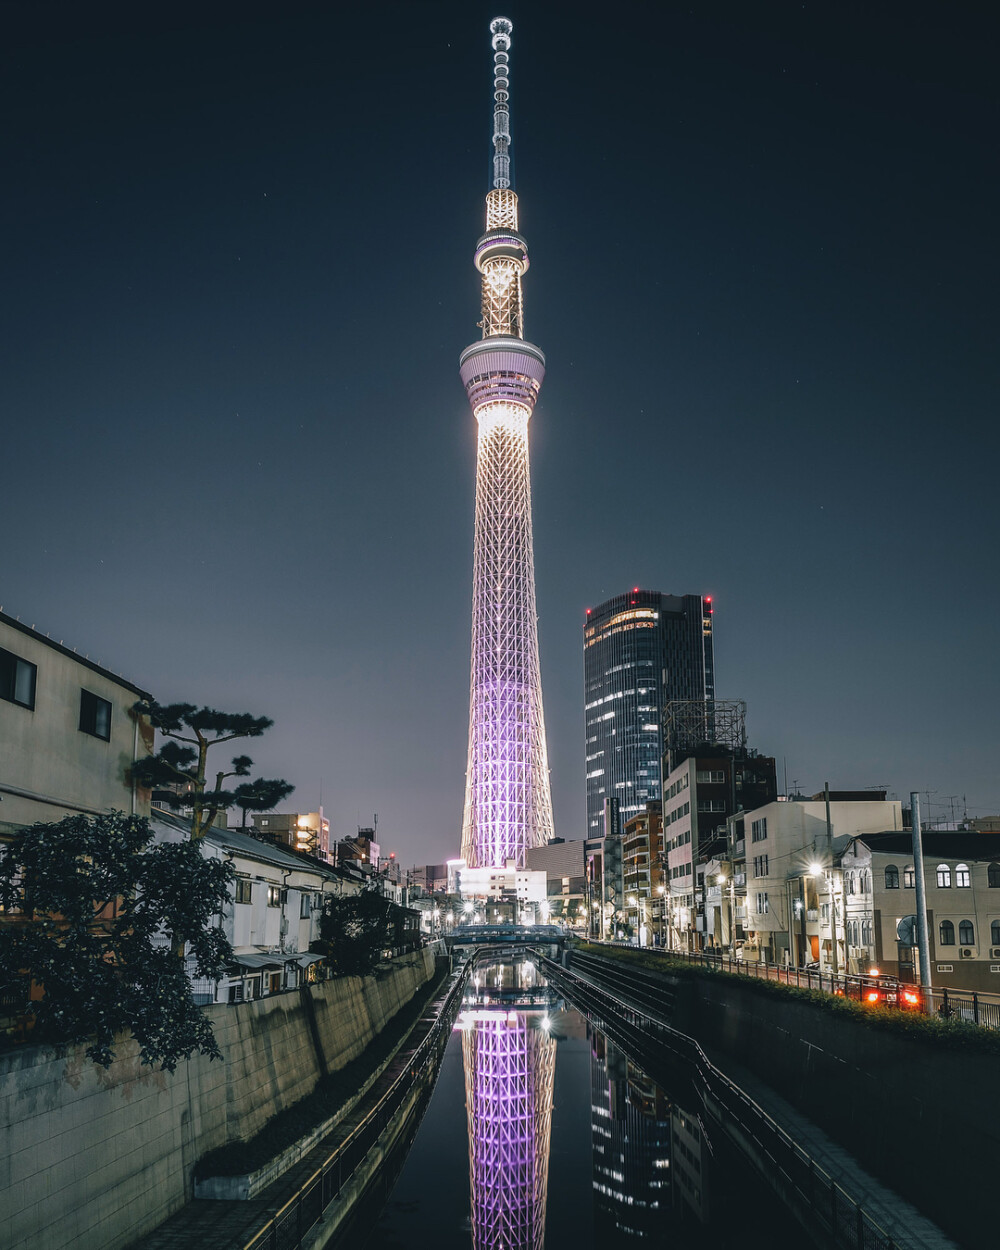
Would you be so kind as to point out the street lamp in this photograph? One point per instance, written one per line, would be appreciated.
(661, 891)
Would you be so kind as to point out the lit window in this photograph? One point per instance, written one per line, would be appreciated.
(244, 890)
(963, 878)
(943, 877)
(908, 878)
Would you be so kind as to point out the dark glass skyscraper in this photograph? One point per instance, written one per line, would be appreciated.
(640, 650)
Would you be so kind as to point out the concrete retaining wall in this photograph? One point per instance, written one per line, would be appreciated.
(926, 1120)
(95, 1158)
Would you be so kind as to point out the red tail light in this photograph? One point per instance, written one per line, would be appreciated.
(872, 996)
(911, 998)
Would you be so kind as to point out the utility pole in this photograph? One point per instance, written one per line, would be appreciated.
(923, 937)
(833, 892)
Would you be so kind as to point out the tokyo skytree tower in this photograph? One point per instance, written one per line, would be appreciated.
(508, 806)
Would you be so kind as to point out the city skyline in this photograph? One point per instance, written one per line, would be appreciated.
(765, 269)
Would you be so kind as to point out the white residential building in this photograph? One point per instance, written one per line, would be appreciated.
(793, 893)
(962, 890)
(68, 735)
(274, 913)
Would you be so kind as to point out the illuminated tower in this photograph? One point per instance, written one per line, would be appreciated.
(509, 1061)
(508, 807)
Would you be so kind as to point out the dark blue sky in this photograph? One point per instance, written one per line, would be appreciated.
(238, 461)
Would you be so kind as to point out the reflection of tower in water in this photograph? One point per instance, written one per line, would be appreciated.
(509, 1067)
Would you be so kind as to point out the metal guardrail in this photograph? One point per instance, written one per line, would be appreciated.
(791, 1170)
(982, 1009)
(287, 1227)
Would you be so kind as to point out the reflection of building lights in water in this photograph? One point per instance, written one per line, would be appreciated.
(509, 1065)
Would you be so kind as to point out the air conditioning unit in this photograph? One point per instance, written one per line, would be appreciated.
(966, 952)
(995, 952)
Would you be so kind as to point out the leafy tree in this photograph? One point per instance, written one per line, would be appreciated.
(354, 931)
(93, 910)
(182, 761)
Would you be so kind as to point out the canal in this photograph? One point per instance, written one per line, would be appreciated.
(541, 1131)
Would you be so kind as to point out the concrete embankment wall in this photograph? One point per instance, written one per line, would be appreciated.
(924, 1119)
(95, 1158)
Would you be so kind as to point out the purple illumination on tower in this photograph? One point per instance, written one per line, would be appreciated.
(508, 807)
(509, 1066)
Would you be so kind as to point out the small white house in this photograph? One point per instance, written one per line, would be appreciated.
(274, 912)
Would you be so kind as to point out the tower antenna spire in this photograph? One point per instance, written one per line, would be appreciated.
(501, 29)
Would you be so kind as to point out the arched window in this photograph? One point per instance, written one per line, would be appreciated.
(908, 877)
(946, 933)
(850, 883)
(995, 932)
(966, 934)
(963, 879)
(864, 882)
(866, 933)
(993, 876)
(943, 877)
(891, 877)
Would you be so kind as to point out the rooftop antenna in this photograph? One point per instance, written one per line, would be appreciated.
(501, 29)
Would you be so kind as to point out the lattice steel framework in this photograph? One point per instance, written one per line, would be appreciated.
(508, 806)
(509, 1070)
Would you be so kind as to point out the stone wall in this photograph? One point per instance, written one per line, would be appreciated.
(95, 1158)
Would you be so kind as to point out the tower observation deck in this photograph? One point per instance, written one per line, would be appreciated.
(508, 807)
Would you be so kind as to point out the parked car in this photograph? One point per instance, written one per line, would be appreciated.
(881, 990)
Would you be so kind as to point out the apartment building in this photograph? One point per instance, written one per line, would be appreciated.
(68, 735)
(962, 889)
(792, 888)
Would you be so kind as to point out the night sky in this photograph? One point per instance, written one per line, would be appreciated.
(238, 463)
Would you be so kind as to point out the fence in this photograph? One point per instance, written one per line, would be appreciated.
(793, 1173)
(980, 1009)
(287, 1227)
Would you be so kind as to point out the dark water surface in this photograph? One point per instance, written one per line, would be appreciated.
(541, 1132)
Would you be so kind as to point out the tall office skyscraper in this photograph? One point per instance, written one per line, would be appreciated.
(508, 807)
(640, 651)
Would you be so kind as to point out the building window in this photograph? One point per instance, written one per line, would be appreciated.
(864, 881)
(274, 896)
(95, 715)
(966, 934)
(995, 933)
(891, 877)
(963, 878)
(760, 865)
(304, 907)
(762, 907)
(946, 933)
(943, 877)
(17, 680)
(758, 829)
(244, 890)
(993, 876)
(850, 883)
(908, 877)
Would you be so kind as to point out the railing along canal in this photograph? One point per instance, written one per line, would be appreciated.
(289, 1225)
(636, 1004)
(975, 1008)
